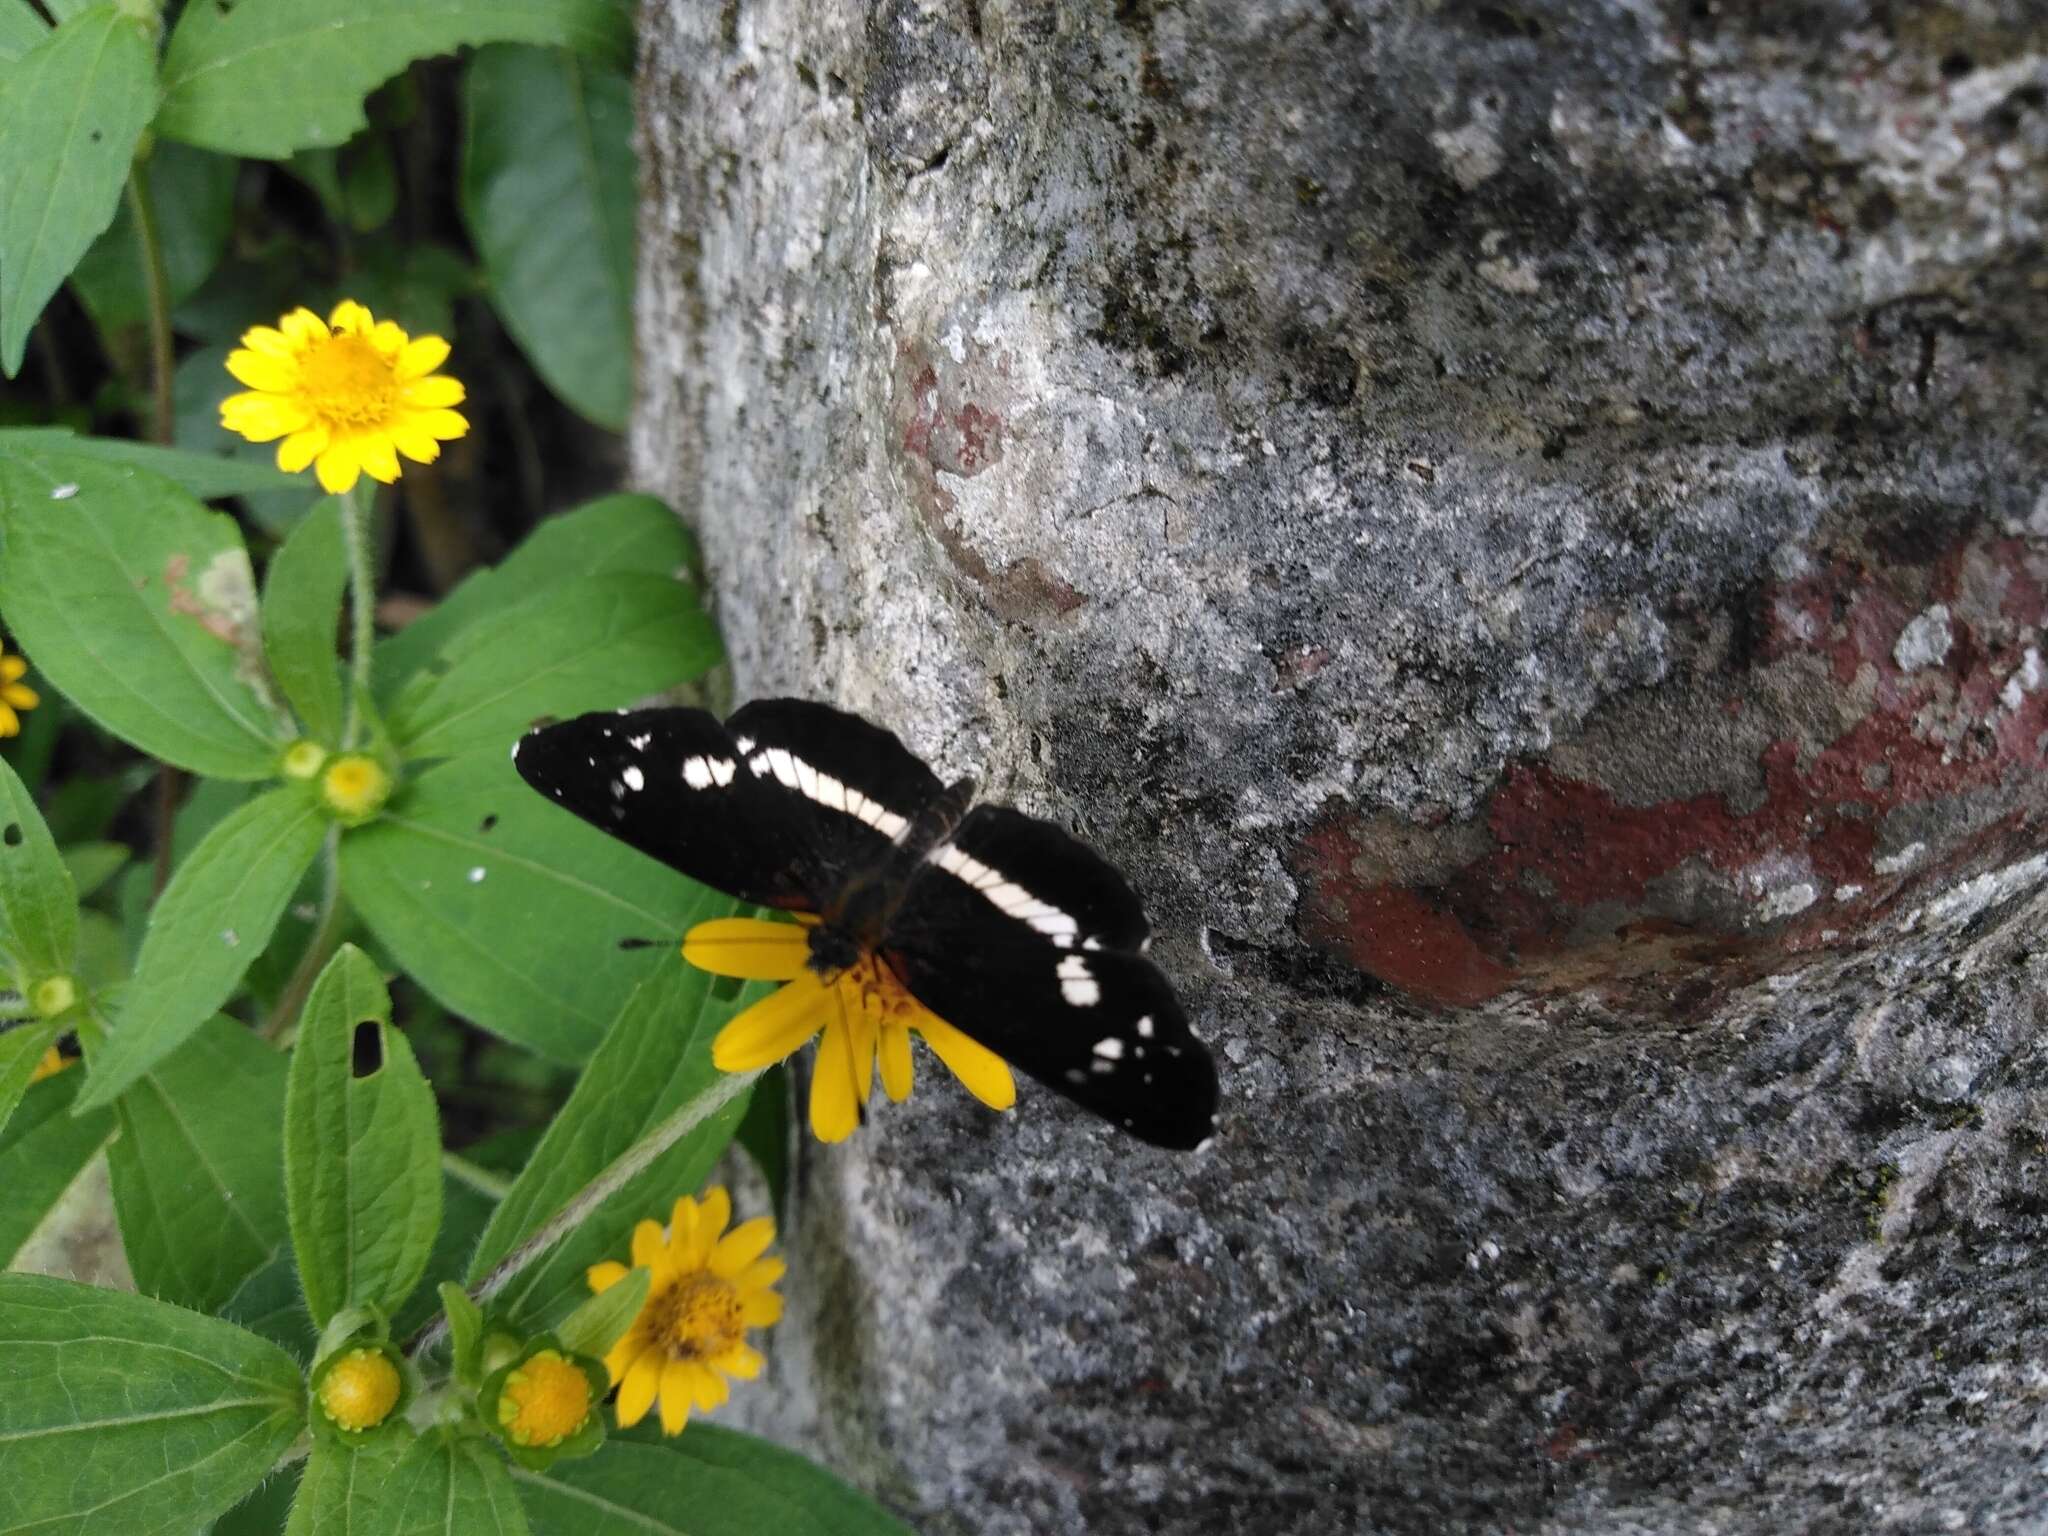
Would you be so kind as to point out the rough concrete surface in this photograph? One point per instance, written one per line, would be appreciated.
(1524, 527)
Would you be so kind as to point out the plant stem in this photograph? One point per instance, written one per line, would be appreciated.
(358, 505)
(157, 285)
(486, 1183)
(320, 947)
(624, 1168)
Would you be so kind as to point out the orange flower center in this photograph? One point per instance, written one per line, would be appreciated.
(545, 1401)
(347, 382)
(697, 1318)
(872, 987)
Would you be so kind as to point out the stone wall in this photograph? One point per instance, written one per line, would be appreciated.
(1524, 528)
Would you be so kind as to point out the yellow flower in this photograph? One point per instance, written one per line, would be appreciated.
(14, 694)
(347, 395)
(545, 1400)
(355, 787)
(706, 1287)
(863, 1010)
(53, 1062)
(359, 1390)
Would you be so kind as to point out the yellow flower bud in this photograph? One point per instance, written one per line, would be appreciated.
(302, 759)
(359, 1390)
(544, 1401)
(355, 787)
(52, 995)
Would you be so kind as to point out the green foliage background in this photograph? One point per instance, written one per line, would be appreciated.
(285, 1014)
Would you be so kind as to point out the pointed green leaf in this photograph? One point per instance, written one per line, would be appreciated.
(273, 78)
(437, 1487)
(599, 1323)
(623, 535)
(21, 1051)
(302, 614)
(38, 903)
(127, 1414)
(337, 1490)
(204, 475)
(465, 1329)
(603, 642)
(656, 1059)
(548, 182)
(213, 919)
(139, 604)
(509, 911)
(362, 1154)
(706, 1482)
(43, 1151)
(196, 1168)
(74, 107)
(193, 196)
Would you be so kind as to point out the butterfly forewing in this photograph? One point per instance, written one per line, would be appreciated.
(778, 807)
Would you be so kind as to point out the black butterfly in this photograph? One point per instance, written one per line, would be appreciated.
(1001, 924)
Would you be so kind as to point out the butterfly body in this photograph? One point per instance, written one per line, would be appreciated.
(998, 923)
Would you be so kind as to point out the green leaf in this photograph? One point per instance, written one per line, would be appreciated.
(126, 1414)
(21, 1050)
(92, 865)
(264, 1511)
(656, 1059)
(336, 1492)
(38, 903)
(437, 1487)
(599, 1323)
(548, 183)
(511, 912)
(214, 917)
(362, 1154)
(74, 107)
(204, 475)
(43, 1151)
(196, 1180)
(414, 282)
(20, 29)
(765, 1133)
(139, 605)
(464, 1211)
(465, 1329)
(193, 196)
(301, 615)
(603, 642)
(623, 535)
(269, 79)
(706, 1482)
(270, 1304)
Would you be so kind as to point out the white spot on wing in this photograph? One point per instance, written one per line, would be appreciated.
(638, 743)
(634, 778)
(696, 773)
(722, 770)
(1078, 986)
(1109, 1048)
(1145, 1027)
(745, 744)
(1009, 898)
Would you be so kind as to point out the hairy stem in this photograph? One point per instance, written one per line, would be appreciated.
(157, 285)
(358, 506)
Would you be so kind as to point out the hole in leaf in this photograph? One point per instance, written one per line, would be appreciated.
(488, 822)
(366, 1050)
(12, 836)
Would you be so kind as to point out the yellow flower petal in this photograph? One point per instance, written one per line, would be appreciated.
(773, 1027)
(603, 1276)
(260, 418)
(10, 722)
(21, 696)
(835, 1108)
(388, 337)
(260, 370)
(648, 1241)
(707, 1387)
(747, 947)
(741, 1246)
(760, 1308)
(682, 1231)
(742, 1360)
(415, 444)
(12, 667)
(380, 460)
(621, 1355)
(270, 341)
(760, 1274)
(422, 355)
(445, 425)
(896, 1069)
(302, 448)
(425, 394)
(350, 318)
(981, 1071)
(675, 1397)
(636, 1392)
(302, 328)
(338, 466)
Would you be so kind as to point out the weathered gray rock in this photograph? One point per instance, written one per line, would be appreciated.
(1524, 527)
